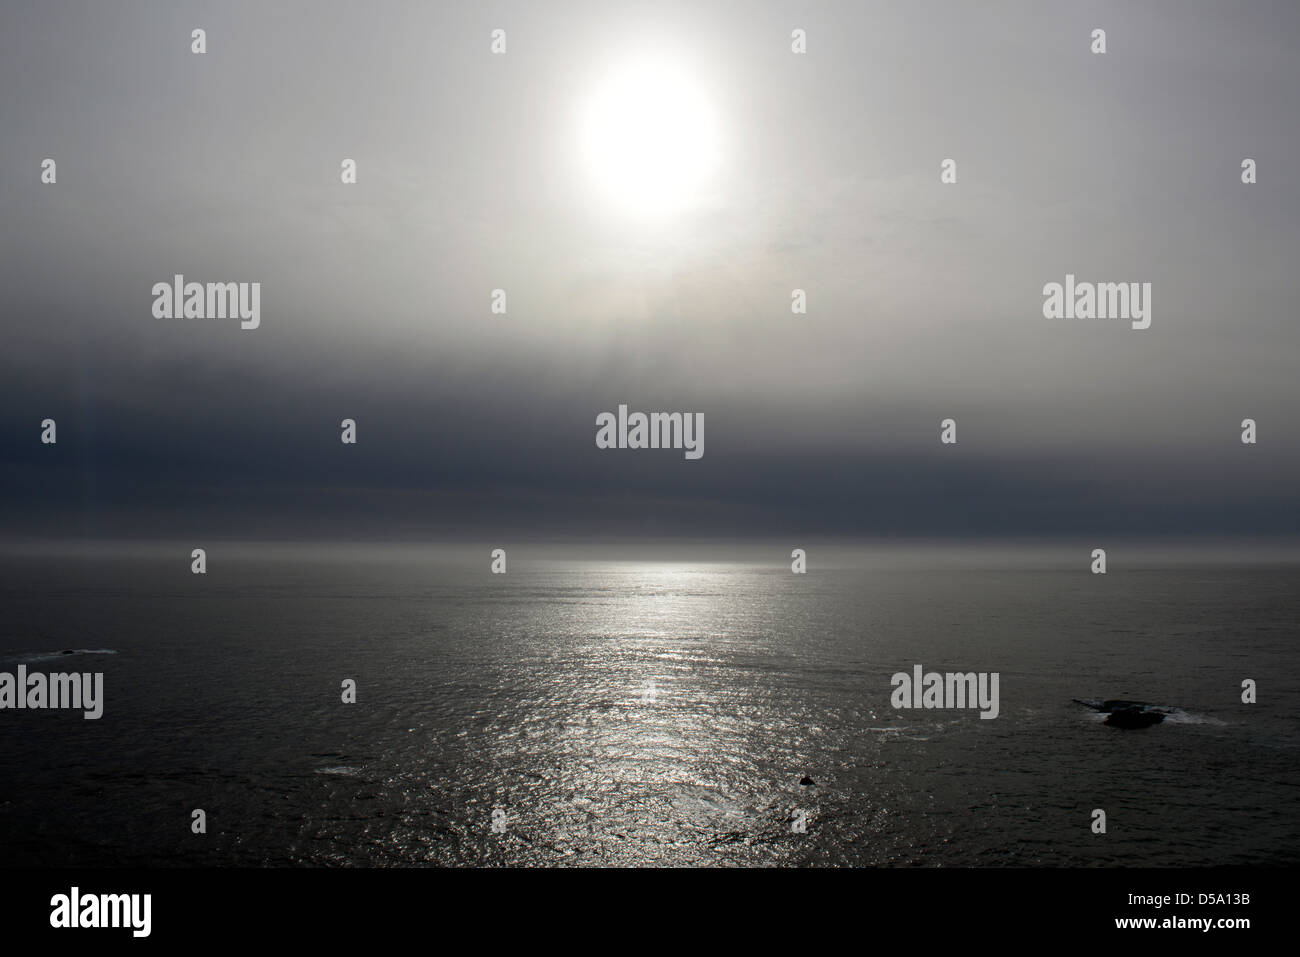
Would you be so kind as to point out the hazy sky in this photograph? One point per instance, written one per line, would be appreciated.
(924, 300)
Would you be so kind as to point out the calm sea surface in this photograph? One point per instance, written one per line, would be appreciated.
(660, 709)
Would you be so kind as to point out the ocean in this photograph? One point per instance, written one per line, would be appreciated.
(649, 705)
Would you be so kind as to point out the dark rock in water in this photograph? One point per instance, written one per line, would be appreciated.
(1134, 717)
(806, 781)
(66, 651)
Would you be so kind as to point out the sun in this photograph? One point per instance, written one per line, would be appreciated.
(649, 139)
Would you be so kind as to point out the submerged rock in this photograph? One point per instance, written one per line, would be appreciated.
(1122, 713)
(1133, 717)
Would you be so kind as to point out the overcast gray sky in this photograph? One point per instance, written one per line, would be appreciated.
(924, 299)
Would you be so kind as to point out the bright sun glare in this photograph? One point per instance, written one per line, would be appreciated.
(649, 139)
